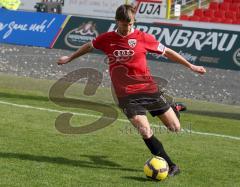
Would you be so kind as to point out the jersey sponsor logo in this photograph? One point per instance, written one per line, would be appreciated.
(123, 56)
(236, 57)
(123, 53)
(81, 35)
(132, 43)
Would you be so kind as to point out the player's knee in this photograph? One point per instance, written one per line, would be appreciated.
(143, 129)
(135, 119)
(175, 127)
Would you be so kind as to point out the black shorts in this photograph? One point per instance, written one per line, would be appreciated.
(138, 104)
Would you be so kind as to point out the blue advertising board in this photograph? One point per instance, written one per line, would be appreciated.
(29, 28)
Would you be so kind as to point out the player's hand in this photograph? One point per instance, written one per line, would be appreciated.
(63, 60)
(198, 69)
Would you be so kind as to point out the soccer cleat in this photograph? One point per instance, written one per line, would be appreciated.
(180, 106)
(175, 110)
(173, 170)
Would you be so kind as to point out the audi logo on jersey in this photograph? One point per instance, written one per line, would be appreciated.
(123, 53)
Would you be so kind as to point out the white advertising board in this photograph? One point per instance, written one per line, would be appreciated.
(28, 5)
(153, 9)
(96, 8)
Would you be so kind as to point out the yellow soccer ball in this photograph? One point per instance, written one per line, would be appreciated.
(156, 168)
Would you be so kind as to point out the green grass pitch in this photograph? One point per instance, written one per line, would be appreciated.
(34, 153)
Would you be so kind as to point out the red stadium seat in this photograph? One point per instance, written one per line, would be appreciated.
(238, 15)
(224, 6)
(236, 21)
(214, 5)
(230, 15)
(205, 19)
(236, 1)
(198, 12)
(219, 14)
(194, 18)
(228, 21)
(233, 7)
(208, 13)
(228, 1)
(184, 17)
(216, 20)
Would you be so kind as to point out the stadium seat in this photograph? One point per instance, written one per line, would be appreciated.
(228, 21)
(238, 15)
(184, 17)
(205, 19)
(219, 14)
(208, 13)
(216, 20)
(236, 21)
(230, 15)
(224, 6)
(198, 12)
(233, 7)
(226, 12)
(194, 18)
(214, 6)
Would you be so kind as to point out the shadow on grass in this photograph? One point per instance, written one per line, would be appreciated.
(97, 162)
(101, 160)
(235, 116)
(44, 98)
(23, 97)
(139, 179)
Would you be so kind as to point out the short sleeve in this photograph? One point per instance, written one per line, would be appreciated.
(99, 42)
(152, 45)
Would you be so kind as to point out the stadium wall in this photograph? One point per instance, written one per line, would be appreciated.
(203, 46)
(209, 47)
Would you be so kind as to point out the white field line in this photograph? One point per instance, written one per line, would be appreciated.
(121, 120)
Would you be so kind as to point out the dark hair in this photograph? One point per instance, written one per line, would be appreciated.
(125, 13)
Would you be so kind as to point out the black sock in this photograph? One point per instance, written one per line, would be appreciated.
(157, 149)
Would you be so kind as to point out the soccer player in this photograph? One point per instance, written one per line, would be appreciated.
(135, 88)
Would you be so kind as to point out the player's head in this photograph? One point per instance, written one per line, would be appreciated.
(125, 13)
(125, 17)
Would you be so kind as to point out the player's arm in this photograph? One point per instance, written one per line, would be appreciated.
(86, 48)
(175, 57)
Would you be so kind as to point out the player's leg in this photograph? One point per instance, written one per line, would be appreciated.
(164, 111)
(136, 113)
(170, 120)
(176, 106)
(140, 122)
(155, 146)
(161, 107)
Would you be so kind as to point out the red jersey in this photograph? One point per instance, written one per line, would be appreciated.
(127, 60)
